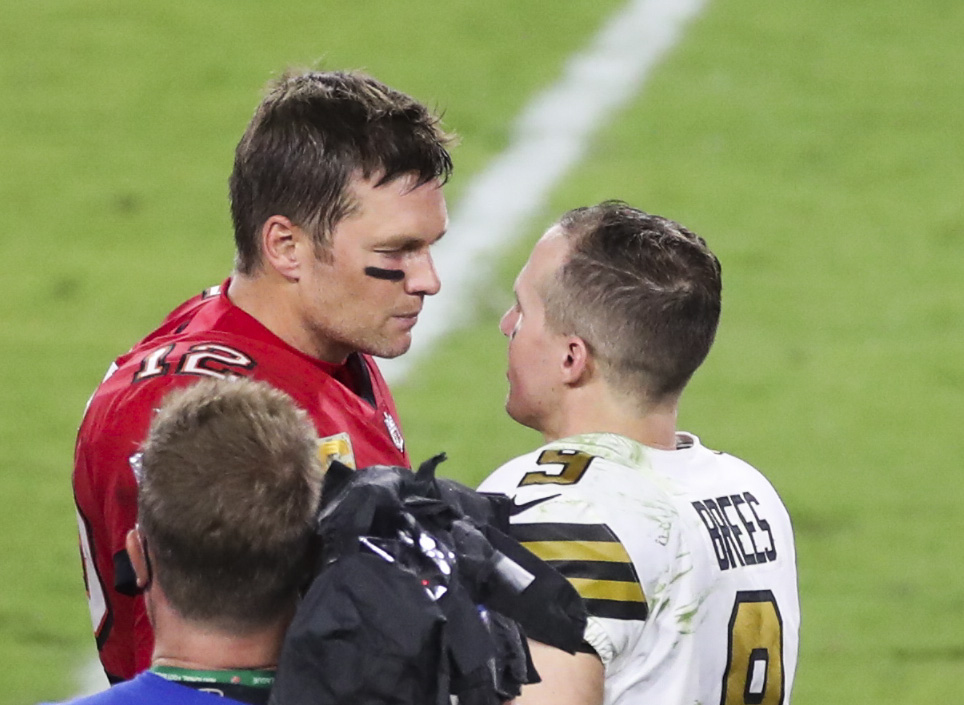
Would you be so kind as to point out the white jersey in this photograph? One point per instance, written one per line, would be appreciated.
(684, 558)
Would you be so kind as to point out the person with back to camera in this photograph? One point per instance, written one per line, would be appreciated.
(684, 555)
(336, 198)
(228, 484)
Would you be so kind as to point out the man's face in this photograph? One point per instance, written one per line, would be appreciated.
(535, 352)
(389, 234)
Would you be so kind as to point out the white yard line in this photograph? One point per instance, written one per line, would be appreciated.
(549, 138)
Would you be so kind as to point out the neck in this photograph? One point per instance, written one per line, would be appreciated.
(267, 297)
(592, 410)
(184, 643)
(208, 651)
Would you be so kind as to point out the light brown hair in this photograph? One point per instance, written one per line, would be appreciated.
(642, 291)
(228, 486)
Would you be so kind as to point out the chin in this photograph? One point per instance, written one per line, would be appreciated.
(390, 351)
(518, 415)
(526, 413)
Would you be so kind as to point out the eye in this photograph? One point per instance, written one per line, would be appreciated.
(398, 251)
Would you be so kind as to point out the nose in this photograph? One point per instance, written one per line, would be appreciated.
(422, 277)
(508, 322)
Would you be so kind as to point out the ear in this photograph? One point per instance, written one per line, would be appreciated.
(577, 366)
(135, 550)
(279, 245)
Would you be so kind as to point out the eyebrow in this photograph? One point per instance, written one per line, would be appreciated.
(408, 242)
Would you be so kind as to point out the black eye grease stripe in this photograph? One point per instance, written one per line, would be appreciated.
(392, 275)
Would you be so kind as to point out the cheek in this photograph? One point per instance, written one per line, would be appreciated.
(520, 361)
(368, 293)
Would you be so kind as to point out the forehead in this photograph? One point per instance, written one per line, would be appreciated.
(404, 190)
(548, 255)
(399, 208)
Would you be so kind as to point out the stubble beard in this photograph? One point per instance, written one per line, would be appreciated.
(387, 347)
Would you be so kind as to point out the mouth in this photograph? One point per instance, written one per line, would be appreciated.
(407, 320)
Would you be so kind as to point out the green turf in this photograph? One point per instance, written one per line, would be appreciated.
(816, 145)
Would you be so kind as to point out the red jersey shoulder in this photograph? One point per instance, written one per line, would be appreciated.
(208, 336)
(146, 374)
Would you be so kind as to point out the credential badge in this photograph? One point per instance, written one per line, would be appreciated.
(337, 447)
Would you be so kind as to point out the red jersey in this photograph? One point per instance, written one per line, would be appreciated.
(207, 336)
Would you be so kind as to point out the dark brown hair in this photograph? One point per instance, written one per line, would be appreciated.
(310, 137)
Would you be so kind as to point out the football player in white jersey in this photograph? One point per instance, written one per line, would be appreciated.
(684, 556)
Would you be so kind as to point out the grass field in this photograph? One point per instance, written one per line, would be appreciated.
(816, 145)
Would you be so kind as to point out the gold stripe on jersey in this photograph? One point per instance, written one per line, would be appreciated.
(608, 590)
(591, 557)
(578, 551)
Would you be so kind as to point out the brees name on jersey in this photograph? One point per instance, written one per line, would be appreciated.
(740, 535)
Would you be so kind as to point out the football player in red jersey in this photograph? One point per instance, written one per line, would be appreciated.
(336, 198)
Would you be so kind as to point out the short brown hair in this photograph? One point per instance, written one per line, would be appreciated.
(642, 291)
(310, 137)
(228, 486)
